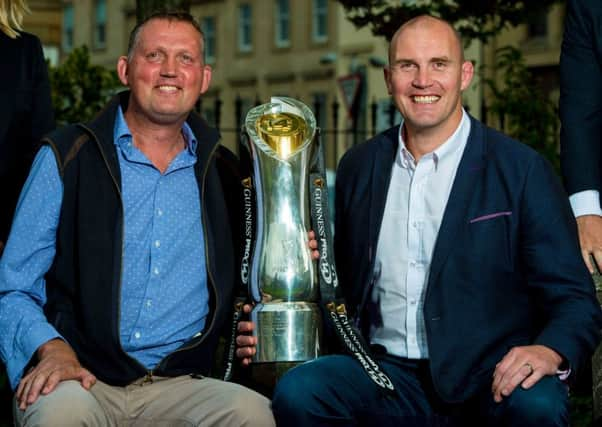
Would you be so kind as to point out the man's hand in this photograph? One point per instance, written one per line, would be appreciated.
(245, 341)
(590, 239)
(313, 245)
(57, 362)
(525, 366)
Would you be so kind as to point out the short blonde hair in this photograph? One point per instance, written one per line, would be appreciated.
(11, 16)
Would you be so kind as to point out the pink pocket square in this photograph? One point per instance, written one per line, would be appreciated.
(490, 216)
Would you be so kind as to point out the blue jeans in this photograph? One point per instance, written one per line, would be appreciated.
(335, 391)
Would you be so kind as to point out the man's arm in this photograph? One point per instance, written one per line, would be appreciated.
(559, 287)
(26, 334)
(581, 118)
(27, 256)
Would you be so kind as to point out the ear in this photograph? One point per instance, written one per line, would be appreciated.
(122, 70)
(387, 75)
(467, 74)
(206, 75)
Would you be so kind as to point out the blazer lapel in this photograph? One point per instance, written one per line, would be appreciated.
(468, 176)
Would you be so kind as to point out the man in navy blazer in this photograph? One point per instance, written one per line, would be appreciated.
(458, 255)
(581, 117)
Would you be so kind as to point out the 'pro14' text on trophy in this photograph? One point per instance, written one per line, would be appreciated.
(283, 279)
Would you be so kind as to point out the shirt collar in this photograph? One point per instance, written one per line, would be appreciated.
(456, 141)
(122, 136)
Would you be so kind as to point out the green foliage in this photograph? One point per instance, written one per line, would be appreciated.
(475, 19)
(580, 410)
(528, 114)
(80, 89)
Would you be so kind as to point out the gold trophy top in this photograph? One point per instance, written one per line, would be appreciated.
(283, 132)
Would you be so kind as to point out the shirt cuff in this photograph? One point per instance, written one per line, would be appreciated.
(586, 203)
(563, 374)
(38, 334)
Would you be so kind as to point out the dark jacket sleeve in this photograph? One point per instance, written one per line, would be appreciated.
(581, 96)
(42, 113)
(26, 115)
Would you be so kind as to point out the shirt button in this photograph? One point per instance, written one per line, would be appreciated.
(156, 271)
(412, 302)
(137, 335)
(159, 212)
(149, 303)
(157, 243)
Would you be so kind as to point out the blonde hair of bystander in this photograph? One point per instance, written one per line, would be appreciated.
(11, 16)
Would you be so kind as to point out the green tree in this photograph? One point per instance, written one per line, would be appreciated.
(475, 19)
(79, 89)
(528, 115)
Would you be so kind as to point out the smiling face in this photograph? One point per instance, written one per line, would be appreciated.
(165, 72)
(426, 76)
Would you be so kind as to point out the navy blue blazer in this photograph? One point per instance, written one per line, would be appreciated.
(581, 96)
(506, 268)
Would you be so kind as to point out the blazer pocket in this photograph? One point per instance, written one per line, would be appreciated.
(490, 216)
(488, 241)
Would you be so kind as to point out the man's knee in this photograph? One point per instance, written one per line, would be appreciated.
(545, 404)
(295, 390)
(68, 405)
(247, 408)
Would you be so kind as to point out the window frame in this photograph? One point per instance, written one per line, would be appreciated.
(282, 20)
(319, 11)
(210, 38)
(99, 27)
(245, 28)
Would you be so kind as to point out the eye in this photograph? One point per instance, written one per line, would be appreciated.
(186, 58)
(153, 56)
(439, 65)
(405, 66)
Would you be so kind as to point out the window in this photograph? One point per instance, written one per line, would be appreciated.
(283, 20)
(245, 41)
(100, 23)
(208, 27)
(68, 27)
(538, 26)
(320, 20)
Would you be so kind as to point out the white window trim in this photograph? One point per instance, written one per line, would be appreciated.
(277, 24)
(318, 38)
(243, 46)
(210, 58)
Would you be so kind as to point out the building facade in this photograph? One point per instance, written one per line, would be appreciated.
(303, 49)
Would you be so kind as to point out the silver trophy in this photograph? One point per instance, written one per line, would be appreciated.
(283, 276)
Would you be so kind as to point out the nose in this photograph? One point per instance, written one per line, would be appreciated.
(422, 78)
(169, 66)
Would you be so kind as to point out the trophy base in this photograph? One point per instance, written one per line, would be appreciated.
(287, 331)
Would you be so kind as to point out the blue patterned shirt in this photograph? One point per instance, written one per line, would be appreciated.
(164, 295)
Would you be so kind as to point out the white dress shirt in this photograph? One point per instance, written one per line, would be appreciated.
(586, 202)
(416, 200)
